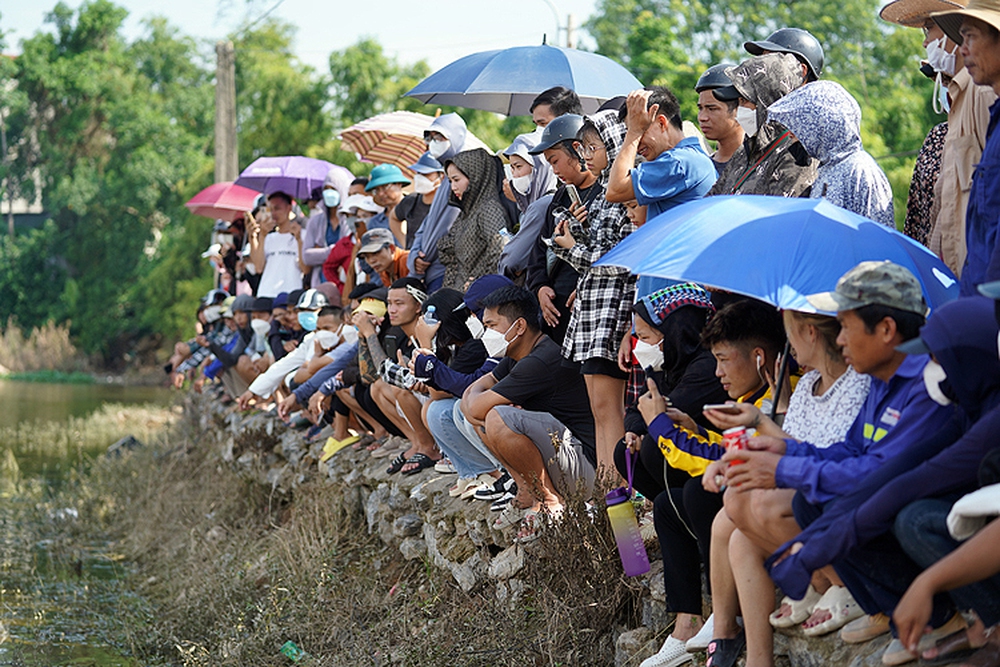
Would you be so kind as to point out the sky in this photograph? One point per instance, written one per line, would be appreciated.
(439, 31)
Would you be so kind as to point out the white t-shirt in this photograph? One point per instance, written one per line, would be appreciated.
(281, 265)
(824, 420)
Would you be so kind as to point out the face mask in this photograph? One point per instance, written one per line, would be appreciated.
(521, 184)
(437, 147)
(260, 327)
(747, 118)
(648, 355)
(940, 102)
(939, 58)
(935, 380)
(496, 343)
(474, 326)
(212, 314)
(307, 319)
(422, 185)
(331, 198)
(350, 334)
(327, 339)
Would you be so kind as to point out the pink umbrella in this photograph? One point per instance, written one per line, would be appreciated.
(224, 200)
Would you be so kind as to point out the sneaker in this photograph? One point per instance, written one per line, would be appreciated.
(504, 484)
(484, 481)
(671, 654)
(445, 466)
(862, 629)
(462, 485)
(700, 641)
(502, 502)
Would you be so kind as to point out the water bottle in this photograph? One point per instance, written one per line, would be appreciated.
(630, 545)
(430, 317)
(506, 235)
(291, 651)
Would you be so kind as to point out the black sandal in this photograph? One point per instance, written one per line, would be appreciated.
(422, 461)
(725, 652)
(397, 464)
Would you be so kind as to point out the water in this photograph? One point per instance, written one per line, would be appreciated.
(61, 592)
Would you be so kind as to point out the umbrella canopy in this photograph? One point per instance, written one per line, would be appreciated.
(292, 174)
(225, 200)
(775, 249)
(395, 138)
(506, 81)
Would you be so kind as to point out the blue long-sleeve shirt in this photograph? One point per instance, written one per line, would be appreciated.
(341, 357)
(982, 217)
(894, 415)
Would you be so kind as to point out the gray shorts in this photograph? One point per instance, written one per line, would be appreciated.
(568, 467)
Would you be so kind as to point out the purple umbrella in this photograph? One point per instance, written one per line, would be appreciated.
(293, 174)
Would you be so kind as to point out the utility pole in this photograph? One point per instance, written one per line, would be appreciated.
(10, 190)
(226, 154)
(570, 36)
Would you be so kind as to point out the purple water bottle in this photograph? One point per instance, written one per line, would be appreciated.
(622, 516)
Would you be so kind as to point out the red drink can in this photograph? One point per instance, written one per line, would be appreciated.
(735, 439)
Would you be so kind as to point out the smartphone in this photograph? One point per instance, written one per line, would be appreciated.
(574, 195)
(390, 344)
(726, 408)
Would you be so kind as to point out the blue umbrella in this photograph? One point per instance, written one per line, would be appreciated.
(292, 174)
(775, 249)
(506, 81)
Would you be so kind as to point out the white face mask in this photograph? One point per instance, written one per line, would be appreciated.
(939, 58)
(438, 147)
(521, 184)
(212, 314)
(747, 118)
(648, 355)
(350, 334)
(422, 185)
(940, 102)
(496, 343)
(474, 326)
(260, 327)
(934, 375)
(327, 339)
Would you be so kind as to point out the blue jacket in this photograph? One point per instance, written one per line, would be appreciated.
(982, 261)
(963, 336)
(342, 355)
(895, 415)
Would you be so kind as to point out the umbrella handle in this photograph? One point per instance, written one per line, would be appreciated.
(780, 381)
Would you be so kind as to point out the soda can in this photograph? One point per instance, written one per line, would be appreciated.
(735, 439)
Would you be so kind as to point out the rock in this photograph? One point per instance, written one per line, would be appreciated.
(470, 573)
(128, 443)
(654, 614)
(376, 504)
(507, 563)
(413, 548)
(631, 646)
(407, 525)
(655, 580)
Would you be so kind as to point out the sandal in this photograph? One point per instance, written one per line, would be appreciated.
(377, 443)
(725, 652)
(392, 445)
(422, 461)
(396, 465)
(535, 521)
(365, 440)
(951, 649)
(987, 656)
(800, 610)
(333, 446)
(842, 607)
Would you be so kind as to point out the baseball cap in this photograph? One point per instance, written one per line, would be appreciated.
(873, 283)
(312, 299)
(426, 165)
(991, 289)
(293, 297)
(242, 303)
(262, 304)
(375, 239)
(280, 301)
(214, 249)
(481, 288)
(373, 306)
(363, 202)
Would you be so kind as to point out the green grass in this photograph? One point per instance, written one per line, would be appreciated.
(74, 377)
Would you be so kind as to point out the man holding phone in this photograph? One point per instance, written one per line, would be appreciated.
(275, 256)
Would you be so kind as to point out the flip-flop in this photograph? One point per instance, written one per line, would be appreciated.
(390, 447)
(377, 443)
(725, 652)
(364, 441)
(422, 461)
(535, 521)
(396, 465)
(951, 649)
(800, 609)
(843, 609)
(333, 446)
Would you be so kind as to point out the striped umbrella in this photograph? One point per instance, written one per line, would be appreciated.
(395, 138)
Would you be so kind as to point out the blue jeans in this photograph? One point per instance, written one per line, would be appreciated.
(453, 439)
(922, 530)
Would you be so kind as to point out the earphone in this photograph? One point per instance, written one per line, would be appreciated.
(760, 362)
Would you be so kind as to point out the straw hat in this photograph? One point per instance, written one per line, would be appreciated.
(987, 11)
(913, 13)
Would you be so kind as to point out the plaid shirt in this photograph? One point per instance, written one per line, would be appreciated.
(200, 354)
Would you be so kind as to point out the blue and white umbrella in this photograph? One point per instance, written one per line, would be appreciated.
(506, 81)
(776, 249)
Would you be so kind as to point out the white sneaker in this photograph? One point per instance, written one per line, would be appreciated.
(482, 482)
(671, 654)
(701, 640)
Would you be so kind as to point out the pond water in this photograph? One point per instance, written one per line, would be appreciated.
(61, 594)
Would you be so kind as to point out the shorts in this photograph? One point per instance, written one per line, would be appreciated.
(601, 366)
(568, 467)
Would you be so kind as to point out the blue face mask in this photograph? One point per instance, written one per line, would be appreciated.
(308, 320)
(331, 198)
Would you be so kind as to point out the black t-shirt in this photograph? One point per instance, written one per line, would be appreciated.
(413, 210)
(469, 357)
(541, 383)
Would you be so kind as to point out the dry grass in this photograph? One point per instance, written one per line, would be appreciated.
(44, 348)
(233, 572)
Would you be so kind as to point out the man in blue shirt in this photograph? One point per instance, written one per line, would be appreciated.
(676, 169)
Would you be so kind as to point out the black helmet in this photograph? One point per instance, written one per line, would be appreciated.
(796, 41)
(716, 80)
(562, 128)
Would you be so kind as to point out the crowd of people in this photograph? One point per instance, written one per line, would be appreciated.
(460, 321)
